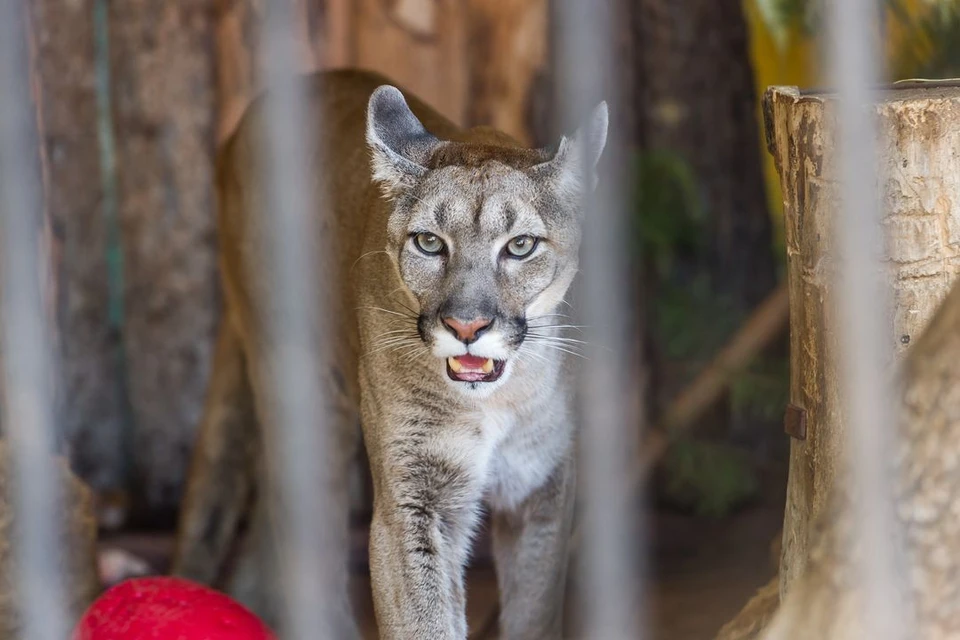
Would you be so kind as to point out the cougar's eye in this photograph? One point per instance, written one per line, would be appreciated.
(429, 243)
(521, 246)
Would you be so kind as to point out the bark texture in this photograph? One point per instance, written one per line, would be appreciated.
(825, 602)
(162, 63)
(695, 48)
(64, 78)
(919, 177)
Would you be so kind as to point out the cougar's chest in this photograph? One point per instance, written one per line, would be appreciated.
(521, 460)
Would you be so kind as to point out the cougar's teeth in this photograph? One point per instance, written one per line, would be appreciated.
(455, 365)
(487, 365)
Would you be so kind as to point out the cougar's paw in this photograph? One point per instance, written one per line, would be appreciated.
(162, 607)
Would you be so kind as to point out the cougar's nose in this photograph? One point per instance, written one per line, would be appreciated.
(467, 332)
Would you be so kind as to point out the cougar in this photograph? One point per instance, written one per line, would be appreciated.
(454, 250)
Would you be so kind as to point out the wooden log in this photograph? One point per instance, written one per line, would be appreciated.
(65, 84)
(826, 601)
(919, 177)
(164, 109)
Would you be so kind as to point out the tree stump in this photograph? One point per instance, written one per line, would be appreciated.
(919, 179)
(826, 601)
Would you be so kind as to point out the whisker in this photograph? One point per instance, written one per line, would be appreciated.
(392, 341)
(390, 348)
(416, 352)
(368, 253)
(395, 313)
(540, 336)
(530, 352)
(558, 326)
(407, 331)
(417, 314)
(558, 348)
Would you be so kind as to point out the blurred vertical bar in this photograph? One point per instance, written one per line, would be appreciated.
(864, 316)
(300, 432)
(609, 581)
(28, 415)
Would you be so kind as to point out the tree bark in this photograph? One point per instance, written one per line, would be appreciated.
(918, 177)
(65, 87)
(162, 64)
(827, 601)
(696, 48)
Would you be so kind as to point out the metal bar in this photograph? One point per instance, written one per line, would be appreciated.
(610, 597)
(28, 413)
(306, 546)
(864, 317)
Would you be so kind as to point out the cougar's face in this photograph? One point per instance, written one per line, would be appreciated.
(485, 239)
(488, 257)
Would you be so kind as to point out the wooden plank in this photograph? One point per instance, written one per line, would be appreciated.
(420, 44)
(507, 53)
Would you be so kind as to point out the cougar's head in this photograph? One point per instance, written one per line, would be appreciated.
(485, 237)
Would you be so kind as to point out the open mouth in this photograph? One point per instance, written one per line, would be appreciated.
(469, 368)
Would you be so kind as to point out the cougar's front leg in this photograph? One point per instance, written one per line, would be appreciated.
(530, 551)
(425, 510)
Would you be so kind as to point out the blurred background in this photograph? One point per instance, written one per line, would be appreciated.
(133, 98)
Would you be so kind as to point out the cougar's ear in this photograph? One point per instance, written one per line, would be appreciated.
(573, 167)
(399, 143)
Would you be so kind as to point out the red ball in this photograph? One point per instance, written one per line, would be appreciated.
(168, 608)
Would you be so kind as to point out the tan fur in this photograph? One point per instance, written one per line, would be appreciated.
(436, 447)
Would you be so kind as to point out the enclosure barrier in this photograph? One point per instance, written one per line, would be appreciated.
(840, 389)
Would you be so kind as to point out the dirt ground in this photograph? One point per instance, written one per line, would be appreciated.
(702, 570)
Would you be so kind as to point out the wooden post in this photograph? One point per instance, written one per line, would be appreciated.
(827, 601)
(919, 179)
(164, 115)
(64, 82)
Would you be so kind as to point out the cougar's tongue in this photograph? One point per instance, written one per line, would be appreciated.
(471, 362)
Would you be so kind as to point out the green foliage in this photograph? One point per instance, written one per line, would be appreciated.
(686, 316)
(707, 478)
(763, 390)
(783, 16)
(691, 320)
(932, 46)
(669, 209)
